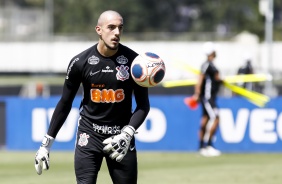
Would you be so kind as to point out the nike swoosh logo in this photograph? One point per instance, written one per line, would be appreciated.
(93, 73)
(132, 148)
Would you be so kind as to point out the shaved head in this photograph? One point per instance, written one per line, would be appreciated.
(109, 29)
(107, 15)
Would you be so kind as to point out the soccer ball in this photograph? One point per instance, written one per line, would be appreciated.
(147, 69)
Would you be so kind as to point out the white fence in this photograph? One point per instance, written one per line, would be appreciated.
(55, 56)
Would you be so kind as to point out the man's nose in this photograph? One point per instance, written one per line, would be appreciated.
(117, 31)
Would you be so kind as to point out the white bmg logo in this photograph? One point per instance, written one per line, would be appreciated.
(41, 119)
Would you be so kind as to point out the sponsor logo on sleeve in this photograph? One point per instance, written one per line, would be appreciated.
(70, 67)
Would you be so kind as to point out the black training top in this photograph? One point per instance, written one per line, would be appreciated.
(210, 85)
(107, 91)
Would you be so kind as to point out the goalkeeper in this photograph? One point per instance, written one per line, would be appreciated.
(107, 125)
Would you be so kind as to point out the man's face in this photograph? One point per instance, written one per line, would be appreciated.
(213, 54)
(110, 31)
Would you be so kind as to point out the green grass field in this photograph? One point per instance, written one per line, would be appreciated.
(154, 168)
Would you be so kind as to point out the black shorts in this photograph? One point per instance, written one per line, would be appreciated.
(209, 107)
(89, 156)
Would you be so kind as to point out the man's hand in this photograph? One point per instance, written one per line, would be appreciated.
(42, 155)
(196, 97)
(119, 144)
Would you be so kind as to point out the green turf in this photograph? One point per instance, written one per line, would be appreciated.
(15, 80)
(154, 168)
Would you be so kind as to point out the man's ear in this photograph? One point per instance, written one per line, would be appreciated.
(98, 30)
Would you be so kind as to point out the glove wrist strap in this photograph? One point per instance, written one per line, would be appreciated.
(47, 141)
(130, 130)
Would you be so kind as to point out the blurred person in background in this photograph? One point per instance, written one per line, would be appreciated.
(206, 91)
(247, 68)
(35, 89)
(107, 125)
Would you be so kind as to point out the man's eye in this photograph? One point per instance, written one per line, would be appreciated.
(111, 27)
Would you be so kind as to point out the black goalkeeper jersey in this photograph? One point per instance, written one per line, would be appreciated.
(107, 91)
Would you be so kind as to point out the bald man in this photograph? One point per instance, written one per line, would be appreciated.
(107, 124)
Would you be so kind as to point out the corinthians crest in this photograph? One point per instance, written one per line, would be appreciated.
(83, 139)
(122, 72)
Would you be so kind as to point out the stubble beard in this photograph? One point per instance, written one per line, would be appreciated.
(111, 48)
(108, 46)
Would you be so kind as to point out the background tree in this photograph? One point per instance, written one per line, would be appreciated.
(220, 17)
